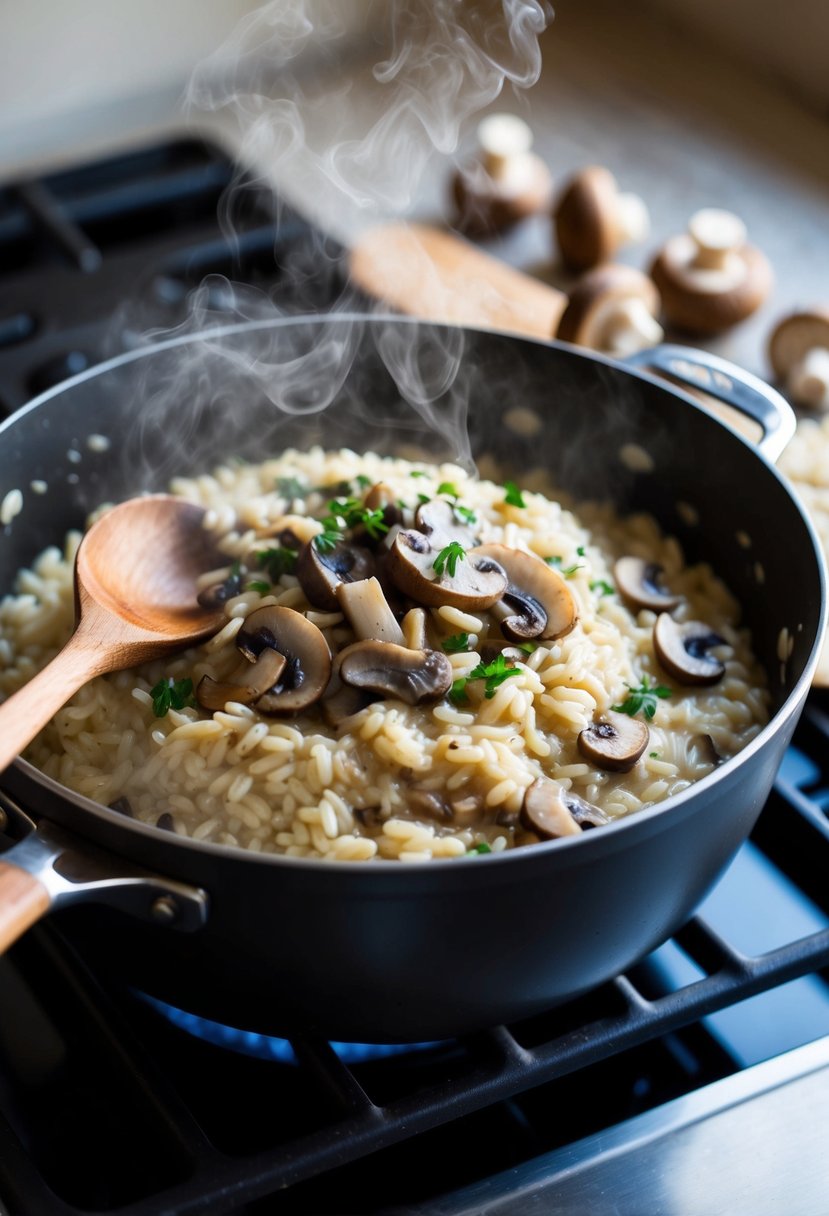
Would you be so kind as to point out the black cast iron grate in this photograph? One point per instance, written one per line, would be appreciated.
(327, 1114)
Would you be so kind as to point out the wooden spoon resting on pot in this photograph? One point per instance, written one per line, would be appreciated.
(135, 599)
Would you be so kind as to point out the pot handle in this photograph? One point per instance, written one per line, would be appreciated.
(52, 868)
(728, 383)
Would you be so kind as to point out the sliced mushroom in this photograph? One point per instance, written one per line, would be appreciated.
(414, 676)
(381, 497)
(428, 803)
(341, 701)
(478, 581)
(537, 602)
(586, 815)
(707, 751)
(614, 742)
(368, 611)
(320, 574)
(545, 811)
(683, 650)
(436, 520)
(638, 581)
(308, 659)
(219, 593)
(247, 684)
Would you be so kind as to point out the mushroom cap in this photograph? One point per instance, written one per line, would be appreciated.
(795, 335)
(708, 299)
(682, 649)
(586, 219)
(546, 812)
(436, 520)
(614, 741)
(638, 582)
(308, 659)
(320, 573)
(540, 602)
(478, 581)
(247, 684)
(414, 676)
(596, 295)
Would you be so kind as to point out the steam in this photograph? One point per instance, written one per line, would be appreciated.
(439, 64)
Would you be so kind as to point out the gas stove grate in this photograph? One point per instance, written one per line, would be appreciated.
(201, 1166)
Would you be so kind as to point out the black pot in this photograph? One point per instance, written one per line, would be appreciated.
(376, 951)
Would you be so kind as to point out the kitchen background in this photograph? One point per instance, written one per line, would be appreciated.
(690, 104)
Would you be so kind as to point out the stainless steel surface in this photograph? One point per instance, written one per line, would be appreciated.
(78, 874)
(753, 1144)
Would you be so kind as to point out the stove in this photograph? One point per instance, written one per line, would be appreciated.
(625, 1100)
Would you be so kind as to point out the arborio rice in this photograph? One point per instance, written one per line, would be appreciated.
(445, 778)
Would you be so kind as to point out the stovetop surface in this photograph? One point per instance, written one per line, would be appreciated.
(110, 1103)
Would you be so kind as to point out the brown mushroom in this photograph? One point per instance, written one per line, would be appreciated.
(505, 182)
(593, 219)
(614, 742)
(341, 701)
(710, 278)
(381, 497)
(537, 602)
(320, 572)
(308, 659)
(368, 611)
(639, 582)
(551, 811)
(247, 684)
(799, 354)
(706, 750)
(219, 593)
(414, 676)
(683, 650)
(475, 582)
(613, 309)
(436, 520)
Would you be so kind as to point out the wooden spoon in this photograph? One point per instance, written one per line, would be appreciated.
(135, 599)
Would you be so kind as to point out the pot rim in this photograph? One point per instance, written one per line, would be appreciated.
(590, 840)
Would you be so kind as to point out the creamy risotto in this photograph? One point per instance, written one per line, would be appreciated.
(414, 664)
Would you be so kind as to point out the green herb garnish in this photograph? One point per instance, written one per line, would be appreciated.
(567, 571)
(456, 644)
(258, 585)
(449, 489)
(513, 495)
(171, 694)
(374, 523)
(449, 557)
(644, 697)
(276, 562)
(418, 473)
(493, 673)
(580, 551)
(465, 515)
(423, 498)
(327, 540)
(478, 849)
(654, 755)
(362, 481)
(290, 487)
(602, 586)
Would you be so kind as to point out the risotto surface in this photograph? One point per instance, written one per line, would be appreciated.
(393, 780)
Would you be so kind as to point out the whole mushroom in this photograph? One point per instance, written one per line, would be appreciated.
(505, 182)
(612, 309)
(799, 354)
(710, 278)
(593, 219)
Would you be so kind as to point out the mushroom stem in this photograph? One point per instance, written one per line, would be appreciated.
(632, 218)
(504, 141)
(808, 379)
(717, 235)
(629, 327)
(368, 611)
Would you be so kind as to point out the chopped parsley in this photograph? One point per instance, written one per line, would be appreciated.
(418, 473)
(457, 643)
(290, 487)
(512, 495)
(478, 849)
(276, 562)
(654, 755)
(449, 489)
(171, 694)
(373, 522)
(567, 571)
(465, 514)
(362, 481)
(350, 513)
(257, 585)
(493, 673)
(327, 540)
(448, 558)
(645, 697)
(423, 498)
(602, 586)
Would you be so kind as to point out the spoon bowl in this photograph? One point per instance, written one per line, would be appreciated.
(135, 599)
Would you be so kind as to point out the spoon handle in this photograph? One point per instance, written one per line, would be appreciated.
(29, 709)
